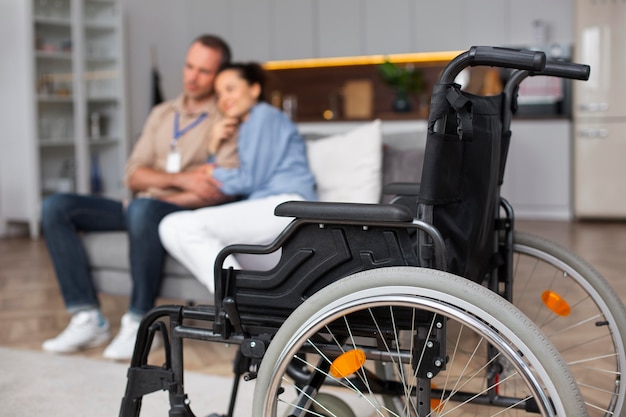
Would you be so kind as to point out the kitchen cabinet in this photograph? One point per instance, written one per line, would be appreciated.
(556, 15)
(439, 26)
(388, 30)
(340, 28)
(601, 43)
(293, 30)
(495, 32)
(537, 176)
(599, 173)
(600, 110)
(70, 135)
(200, 16)
(283, 29)
(459, 24)
(245, 25)
(250, 30)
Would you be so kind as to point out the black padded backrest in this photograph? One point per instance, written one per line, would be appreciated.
(461, 174)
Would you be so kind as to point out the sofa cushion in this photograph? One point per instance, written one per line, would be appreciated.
(401, 165)
(348, 167)
(109, 250)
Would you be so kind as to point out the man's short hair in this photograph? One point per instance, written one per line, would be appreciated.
(215, 42)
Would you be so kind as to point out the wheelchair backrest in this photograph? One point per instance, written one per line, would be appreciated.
(461, 175)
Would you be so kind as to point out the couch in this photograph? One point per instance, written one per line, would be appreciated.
(350, 167)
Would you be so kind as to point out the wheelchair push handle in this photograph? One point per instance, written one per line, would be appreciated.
(562, 69)
(507, 58)
(571, 70)
(521, 59)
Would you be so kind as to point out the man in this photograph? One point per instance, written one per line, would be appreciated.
(162, 172)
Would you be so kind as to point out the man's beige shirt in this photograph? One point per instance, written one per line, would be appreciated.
(155, 143)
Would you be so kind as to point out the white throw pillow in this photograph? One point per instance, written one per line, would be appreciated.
(348, 167)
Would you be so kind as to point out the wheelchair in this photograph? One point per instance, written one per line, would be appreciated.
(405, 309)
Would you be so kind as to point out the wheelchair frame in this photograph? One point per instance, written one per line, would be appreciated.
(250, 306)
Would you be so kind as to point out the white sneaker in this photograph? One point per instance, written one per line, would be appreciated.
(122, 347)
(84, 331)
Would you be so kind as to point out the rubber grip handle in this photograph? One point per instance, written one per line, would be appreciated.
(563, 69)
(507, 58)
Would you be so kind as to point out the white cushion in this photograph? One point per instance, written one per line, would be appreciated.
(348, 167)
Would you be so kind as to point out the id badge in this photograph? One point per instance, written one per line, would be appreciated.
(173, 162)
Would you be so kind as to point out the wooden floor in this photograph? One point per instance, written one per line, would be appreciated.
(31, 308)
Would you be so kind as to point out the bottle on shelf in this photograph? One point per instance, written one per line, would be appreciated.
(65, 182)
(96, 177)
(45, 85)
(94, 125)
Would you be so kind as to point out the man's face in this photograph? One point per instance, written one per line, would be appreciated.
(199, 72)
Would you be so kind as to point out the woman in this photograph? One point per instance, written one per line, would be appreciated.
(273, 169)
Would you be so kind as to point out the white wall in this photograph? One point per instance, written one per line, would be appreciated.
(16, 109)
(286, 29)
(158, 24)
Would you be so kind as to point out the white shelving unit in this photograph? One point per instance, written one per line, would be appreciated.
(71, 131)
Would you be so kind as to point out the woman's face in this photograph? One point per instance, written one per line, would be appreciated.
(235, 97)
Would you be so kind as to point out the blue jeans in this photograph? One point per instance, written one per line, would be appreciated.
(65, 216)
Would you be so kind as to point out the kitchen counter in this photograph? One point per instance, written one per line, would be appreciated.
(402, 134)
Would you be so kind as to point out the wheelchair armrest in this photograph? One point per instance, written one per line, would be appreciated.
(344, 211)
(402, 188)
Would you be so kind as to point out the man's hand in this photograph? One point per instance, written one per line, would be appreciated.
(200, 182)
(198, 189)
(191, 200)
(197, 181)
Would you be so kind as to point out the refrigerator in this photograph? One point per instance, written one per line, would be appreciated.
(599, 151)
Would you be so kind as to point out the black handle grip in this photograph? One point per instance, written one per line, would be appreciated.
(507, 58)
(563, 69)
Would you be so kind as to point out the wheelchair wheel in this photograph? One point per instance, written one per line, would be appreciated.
(456, 348)
(580, 313)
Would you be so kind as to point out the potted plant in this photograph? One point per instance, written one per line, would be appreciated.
(404, 80)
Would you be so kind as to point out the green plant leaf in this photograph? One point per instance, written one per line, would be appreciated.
(406, 78)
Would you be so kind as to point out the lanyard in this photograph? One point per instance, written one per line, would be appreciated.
(180, 132)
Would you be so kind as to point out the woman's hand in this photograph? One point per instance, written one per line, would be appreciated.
(206, 170)
(191, 200)
(222, 130)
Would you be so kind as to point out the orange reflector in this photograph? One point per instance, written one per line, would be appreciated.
(435, 403)
(555, 303)
(347, 363)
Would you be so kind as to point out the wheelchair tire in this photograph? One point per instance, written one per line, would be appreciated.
(531, 375)
(582, 315)
(327, 405)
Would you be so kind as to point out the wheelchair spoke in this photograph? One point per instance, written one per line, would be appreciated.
(580, 313)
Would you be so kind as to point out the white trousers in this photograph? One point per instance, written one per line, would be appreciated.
(196, 237)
